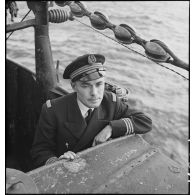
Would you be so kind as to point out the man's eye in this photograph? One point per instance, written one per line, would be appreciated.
(84, 86)
(99, 84)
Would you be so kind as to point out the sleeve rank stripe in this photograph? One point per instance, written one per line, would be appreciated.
(130, 125)
(127, 127)
(132, 129)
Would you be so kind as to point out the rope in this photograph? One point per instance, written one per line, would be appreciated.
(20, 21)
(131, 49)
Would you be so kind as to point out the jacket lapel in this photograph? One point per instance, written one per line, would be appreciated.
(95, 125)
(75, 122)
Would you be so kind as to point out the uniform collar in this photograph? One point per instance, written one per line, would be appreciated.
(83, 108)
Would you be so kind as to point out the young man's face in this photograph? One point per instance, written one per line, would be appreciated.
(90, 93)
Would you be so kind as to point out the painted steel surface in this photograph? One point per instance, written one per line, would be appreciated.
(124, 165)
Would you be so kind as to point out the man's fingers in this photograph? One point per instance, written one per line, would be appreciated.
(100, 139)
(93, 143)
(96, 142)
(68, 155)
(103, 136)
(72, 155)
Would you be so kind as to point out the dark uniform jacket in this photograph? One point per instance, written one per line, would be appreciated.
(62, 128)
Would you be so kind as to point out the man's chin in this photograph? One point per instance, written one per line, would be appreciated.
(94, 105)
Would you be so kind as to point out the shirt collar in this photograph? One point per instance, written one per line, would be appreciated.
(83, 108)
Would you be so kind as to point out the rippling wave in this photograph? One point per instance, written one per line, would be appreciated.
(158, 92)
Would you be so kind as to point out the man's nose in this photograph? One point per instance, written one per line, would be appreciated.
(93, 90)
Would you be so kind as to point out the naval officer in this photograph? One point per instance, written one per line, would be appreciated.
(87, 117)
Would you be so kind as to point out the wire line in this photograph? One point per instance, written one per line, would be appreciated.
(20, 21)
(131, 49)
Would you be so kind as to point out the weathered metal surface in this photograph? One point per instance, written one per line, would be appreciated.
(124, 165)
(18, 182)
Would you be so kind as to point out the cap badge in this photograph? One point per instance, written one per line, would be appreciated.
(91, 59)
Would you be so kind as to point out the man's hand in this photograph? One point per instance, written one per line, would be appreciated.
(103, 135)
(68, 155)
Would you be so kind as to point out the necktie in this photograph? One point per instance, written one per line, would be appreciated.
(87, 119)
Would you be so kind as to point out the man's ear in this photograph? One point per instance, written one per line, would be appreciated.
(73, 84)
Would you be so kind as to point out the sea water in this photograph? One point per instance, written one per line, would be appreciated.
(158, 92)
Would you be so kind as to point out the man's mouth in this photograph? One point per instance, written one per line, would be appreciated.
(94, 100)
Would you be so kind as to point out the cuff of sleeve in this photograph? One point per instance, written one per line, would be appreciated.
(118, 128)
(51, 160)
(121, 127)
